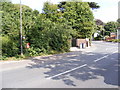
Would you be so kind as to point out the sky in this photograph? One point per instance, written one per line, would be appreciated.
(108, 10)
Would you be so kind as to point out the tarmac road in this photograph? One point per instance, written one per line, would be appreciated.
(95, 67)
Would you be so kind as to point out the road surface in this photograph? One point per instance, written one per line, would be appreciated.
(95, 67)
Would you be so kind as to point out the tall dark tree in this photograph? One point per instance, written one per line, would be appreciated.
(93, 5)
(75, 14)
(99, 22)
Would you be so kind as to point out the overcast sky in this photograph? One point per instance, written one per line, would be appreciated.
(108, 10)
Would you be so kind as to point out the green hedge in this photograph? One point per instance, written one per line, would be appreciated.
(53, 39)
(114, 40)
(9, 47)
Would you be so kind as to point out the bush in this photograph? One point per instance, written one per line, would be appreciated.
(9, 47)
(59, 39)
(33, 51)
(98, 38)
(52, 38)
(114, 40)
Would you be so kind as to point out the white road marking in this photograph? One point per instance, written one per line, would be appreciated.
(104, 57)
(67, 71)
(115, 52)
(101, 58)
(79, 66)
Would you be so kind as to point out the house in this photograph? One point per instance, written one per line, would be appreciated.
(112, 36)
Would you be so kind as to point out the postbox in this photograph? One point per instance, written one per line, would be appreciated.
(28, 45)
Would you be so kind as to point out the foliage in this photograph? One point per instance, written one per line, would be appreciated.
(75, 14)
(49, 32)
(100, 30)
(110, 27)
(118, 22)
(99, 22)
(99, 37)
(11, 26)
(9, 47)
(5, 0)
(10, 33)
(114, 40)
(93, 5)
(49, 37)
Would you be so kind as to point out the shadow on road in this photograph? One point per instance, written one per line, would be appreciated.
(107, 68)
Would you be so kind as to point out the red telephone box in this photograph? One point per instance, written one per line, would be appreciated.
(28, 45)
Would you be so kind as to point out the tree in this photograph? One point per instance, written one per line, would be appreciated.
(118, 22)
(99, 22)
(75, 14)
(11, 26)
(110, 27)
(42, 32)
(93, 5)
(5, 0)
(46, 32)
(49, 36)
(10, 33)
(79, 16)
(100, 28)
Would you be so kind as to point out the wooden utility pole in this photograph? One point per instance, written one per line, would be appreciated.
(21, 44)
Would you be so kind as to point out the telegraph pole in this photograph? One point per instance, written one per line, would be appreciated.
(21, 44)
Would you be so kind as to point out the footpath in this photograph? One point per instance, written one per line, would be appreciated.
(9, 65)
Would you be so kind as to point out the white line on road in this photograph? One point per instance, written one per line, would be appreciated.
(104, 57)
(79, 66)
(67, 71)
(101, 58)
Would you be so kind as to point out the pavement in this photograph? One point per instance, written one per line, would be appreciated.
(94, 67)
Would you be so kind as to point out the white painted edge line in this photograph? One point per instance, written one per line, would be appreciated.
(104, 57)
(67, 71)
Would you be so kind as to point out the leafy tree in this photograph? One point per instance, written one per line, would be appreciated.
(110, 27)
(75, 14)
(10, 32)
(5, 0)
(99, 28)
(49, 36)
(99, 22)
(11, 25)
(93, 5)
(79, 17)
(47, 32)
(118, 22)
(42, 32)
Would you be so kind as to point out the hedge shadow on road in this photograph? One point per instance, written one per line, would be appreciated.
(107, 68)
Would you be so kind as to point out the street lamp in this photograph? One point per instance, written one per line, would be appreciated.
(21, 46)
